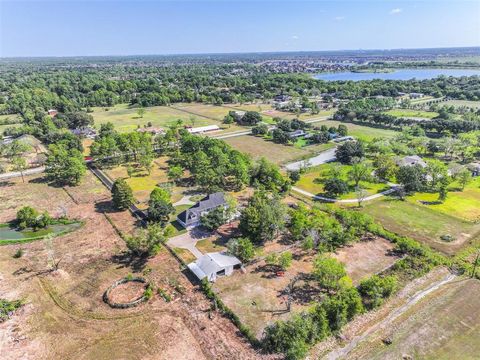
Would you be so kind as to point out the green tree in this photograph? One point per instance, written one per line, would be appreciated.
(263, 218)
(214, 219)
(175, 173)
(328, 272)
(65, 166)
(335, 187)
(141, 112)
(359, 172)
(19, 164)
(464, 178)
(241, 248)
(122, 195)
(411, 177)
(26, 217)
(347, 152)
(376, 289)
(146, 241)
(160, 206)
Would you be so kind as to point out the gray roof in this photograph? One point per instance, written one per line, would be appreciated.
(208, 202)
(211, 263)
(411, 160)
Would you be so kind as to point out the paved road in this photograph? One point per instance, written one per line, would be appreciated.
(272, 127)
(322, 158)
(15, 174)
(345, 201)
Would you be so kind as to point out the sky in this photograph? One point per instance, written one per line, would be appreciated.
(135, 27)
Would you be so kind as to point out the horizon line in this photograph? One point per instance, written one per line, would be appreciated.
(237, 53)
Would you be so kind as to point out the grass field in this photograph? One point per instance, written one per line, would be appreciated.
(458, 103)
(444, 325)
(406, 113)
(462, 204)
(361, 132)
(142, 184)
(422, 223)
(309, 182)
(126, 118)
(258, 147)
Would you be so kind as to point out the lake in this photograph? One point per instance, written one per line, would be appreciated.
(400, 74)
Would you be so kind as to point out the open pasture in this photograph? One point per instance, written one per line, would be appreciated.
(444, 325)
(464, 204)
(423, 223)
(258, 147)
(126, 119)
(366, 133)
(410, 113)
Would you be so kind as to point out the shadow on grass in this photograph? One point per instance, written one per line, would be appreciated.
(127, 260)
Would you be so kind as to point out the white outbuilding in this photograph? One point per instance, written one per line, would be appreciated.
(212, 265)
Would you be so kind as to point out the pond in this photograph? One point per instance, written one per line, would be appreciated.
(11, 234)
(399, 74)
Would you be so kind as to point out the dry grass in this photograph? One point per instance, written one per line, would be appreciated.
(65, 317)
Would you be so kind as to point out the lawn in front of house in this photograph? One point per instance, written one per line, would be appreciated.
(462, 204)
(312, 181)
(406, 113)
(422, 223)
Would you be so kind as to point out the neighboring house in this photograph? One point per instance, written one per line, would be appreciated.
(203, 129)
(282, 97)
(411, 161)
(87, 132)
(191, 217)
(212, 265)
(415, 95)
(296, 134)
(238, 115)
(52, 112)
(474, 168)
(342, 138)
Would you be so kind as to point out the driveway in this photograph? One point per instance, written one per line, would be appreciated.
(322, 158)
(189, 240)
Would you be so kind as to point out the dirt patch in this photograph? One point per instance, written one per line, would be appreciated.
(366, 258)
(127, 292)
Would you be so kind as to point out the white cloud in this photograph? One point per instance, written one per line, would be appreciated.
(295, 37)
(395, 11)
(339, 18)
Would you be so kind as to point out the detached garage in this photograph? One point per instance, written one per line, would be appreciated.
(216, 264)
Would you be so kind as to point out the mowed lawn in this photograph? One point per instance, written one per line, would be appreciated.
(412, 113)
(126, 119)
(423, 223)
(462, 204)
(366, 133)
(258, 147)
(312, 181)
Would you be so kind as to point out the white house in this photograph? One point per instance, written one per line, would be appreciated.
(411, 161)
(212, 265)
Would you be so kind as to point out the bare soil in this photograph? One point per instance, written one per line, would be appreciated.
(65, 317)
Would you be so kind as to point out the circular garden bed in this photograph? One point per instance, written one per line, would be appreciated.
(127, 292)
